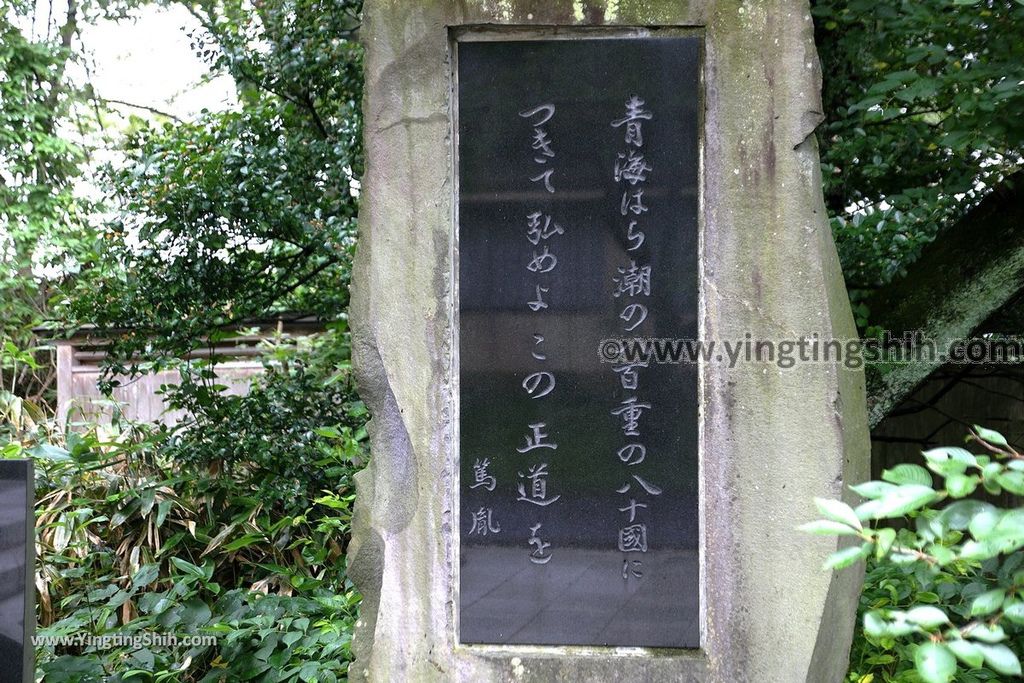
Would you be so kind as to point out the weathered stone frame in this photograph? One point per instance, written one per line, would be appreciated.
(771, 439)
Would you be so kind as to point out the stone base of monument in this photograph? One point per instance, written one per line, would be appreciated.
(547, 183)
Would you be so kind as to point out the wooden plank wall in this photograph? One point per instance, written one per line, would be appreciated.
(79, 398)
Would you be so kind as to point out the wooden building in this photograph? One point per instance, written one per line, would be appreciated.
(80, 358)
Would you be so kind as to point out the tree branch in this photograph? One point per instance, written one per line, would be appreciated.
(144, 107)
(969, 273)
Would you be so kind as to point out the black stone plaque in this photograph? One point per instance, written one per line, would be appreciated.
(17, 617)
(578, 222)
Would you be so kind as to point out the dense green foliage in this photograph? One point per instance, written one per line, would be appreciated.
(44, 221)
(136, 540)
(234, 522)
(923, 109)
(241, 214)
(945, 597)
(889, 586)
(283, 432)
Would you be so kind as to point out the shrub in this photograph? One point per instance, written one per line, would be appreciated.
(297, 432)
(132, 541)
(944, 597)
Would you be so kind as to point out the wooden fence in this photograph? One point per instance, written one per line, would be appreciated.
(80, 357)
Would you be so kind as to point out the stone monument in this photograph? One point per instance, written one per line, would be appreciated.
(547, 181)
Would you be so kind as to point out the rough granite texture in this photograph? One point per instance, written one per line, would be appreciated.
(771, 439)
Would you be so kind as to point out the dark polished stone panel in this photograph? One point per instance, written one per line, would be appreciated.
(16, 553)
(594, 542)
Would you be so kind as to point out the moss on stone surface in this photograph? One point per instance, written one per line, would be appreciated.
(772, 439)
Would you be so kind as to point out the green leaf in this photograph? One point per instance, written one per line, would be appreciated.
(1014, 611)
(897, 503)
(957, 516)
(991, 470)
(195, 612)
(967, 652)
(877, 625)
(162, 508)
(826, 527)
(935, 663)
(308, 672)
(979, 550)
(984, 521)
(991, 436)
(927, 616)
(949, 460)
(874, 624)
(47, 451)
(188, 567)
(244, 542)
(872, 489)
(1001, 658)
(838, 511)
(960, 485)
(907, 473)
(884, 540)
(146, 575)
(922, 88)
(332, 501)
(1012, 481)
(988, 602)
(987, 633)
(846, 557)
(941, 553)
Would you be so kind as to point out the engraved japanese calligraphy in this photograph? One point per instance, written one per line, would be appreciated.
(578, 169)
